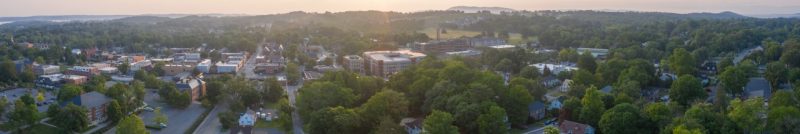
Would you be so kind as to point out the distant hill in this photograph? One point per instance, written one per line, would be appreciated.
(796, 15)
(142, 19)
(473, 9)
(634, 16)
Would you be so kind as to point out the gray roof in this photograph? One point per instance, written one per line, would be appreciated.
(535, 105)
(758, 87)
(606, 89)
(94, 99)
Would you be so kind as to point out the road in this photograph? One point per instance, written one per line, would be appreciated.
(210, 124)
(291, 91)
(743, 54)
(539, 130)
(248, 68)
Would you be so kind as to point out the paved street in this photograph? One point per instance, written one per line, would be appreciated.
(292, 93)
(211, 123)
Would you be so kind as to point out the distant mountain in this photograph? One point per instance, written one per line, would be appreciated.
(142, 19)
(473, 9)
(68, 18)
(796, 15)
(634, 16)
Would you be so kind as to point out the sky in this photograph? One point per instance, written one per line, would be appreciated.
(260, 7)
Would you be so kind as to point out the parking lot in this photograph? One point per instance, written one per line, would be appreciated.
(14, 94)
(179, 120)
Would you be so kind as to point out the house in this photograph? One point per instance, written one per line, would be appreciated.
(246, 122)
(195, 87)
(607, 89)
(569, 127)
(555, 104)
(565, 85)
(95, 104)
(555, 69)
(550, 81)
(412, 125)
(536, 110)
(758, 87)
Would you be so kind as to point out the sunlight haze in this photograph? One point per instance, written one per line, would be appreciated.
(257, 7)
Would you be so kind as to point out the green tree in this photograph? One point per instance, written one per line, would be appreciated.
(8, 72)
(592, 106)
(569, 55)
(23, 114)
(493, 121)
(551, 130)
(124, 67)
(73, 118)
(3, 105)
(622, 119)
(114, 111)
(28, 99)
(686, 89)
(790, 57)
(319, 95)
(733, 79)
(160, 117)
(504, 65)
(273, 90)
(292, 73)
(746, 114)
(529, 72)
(387, 126)
(285, 110)
(658, 113)
(53, 110)
(683, 130)
(682, 62)
(68, 92)
(517, 105)
(583, 77)
(131, 124)
(439, 122)
(724, 63)
(776, 73)
(334, 120)
(784, 120)
(782, 98)
(385, 104)
(587, 62)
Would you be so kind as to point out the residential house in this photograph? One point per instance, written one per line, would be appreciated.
(537, 110)
(569, 127)
(758, 87)
(550, 81)
(607, 89)
(565, 85)
(246, 122)
(412, 125)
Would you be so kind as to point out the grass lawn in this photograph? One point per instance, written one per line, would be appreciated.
(41, 129)
(266, 124)
(451, 33)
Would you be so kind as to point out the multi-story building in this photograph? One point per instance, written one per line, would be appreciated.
(486, 41)
(46, 69)
(195, 87)
(354, 63)
(83, 71)
(95, 104)
(386, 63)
(442, 46)
(204, 66)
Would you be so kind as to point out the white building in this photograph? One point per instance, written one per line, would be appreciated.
(204, 66)
(596, 52)
(554, 68)
(227, 67)
(386, 63)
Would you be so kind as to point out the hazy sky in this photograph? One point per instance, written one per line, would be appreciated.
(254, 7)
